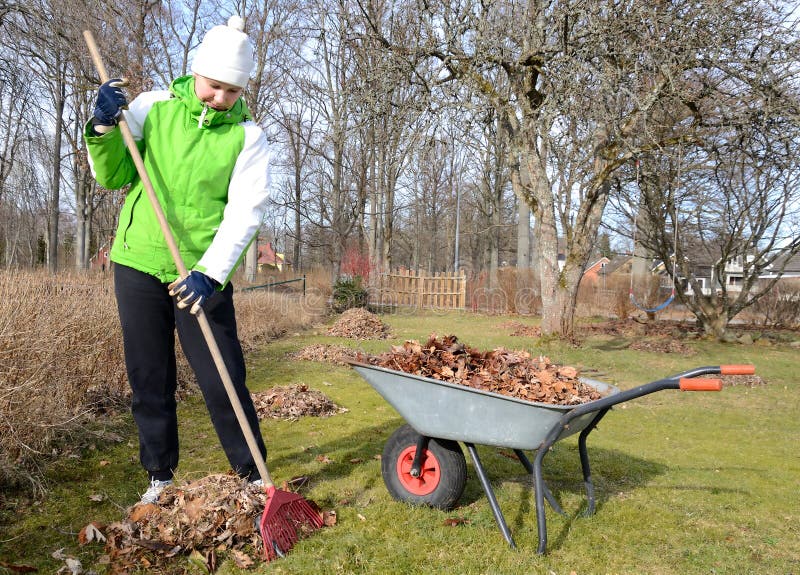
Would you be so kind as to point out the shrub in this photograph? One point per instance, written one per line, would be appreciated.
(356, 263)
(780, 308)
(61, 360)
(348, 292)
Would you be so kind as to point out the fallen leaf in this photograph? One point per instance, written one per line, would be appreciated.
(74, 566)
(91, 532)
(329, 518)
(324, 459)
(508, 454)
(141, 511)
(98, 497)
(356, 460)
(361, 517)
(242, 560)
(104, 462)
(17, 568)
(454, 521)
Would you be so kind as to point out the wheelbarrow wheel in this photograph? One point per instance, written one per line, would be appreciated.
(442, 476)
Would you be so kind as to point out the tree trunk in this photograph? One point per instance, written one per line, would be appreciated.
(55, 186)
(251, 261)
(523, 235)
(298, 228)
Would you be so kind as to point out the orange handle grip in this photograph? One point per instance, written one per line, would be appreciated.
(737, 369)
(700, 384)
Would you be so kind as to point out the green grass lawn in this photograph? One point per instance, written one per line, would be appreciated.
(685, 482)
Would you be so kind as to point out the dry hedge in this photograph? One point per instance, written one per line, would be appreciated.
(60, 353)
(61, 359)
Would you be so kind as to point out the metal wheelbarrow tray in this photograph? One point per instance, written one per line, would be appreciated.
(423, 463)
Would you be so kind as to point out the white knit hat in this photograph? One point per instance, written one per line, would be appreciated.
(225, 54)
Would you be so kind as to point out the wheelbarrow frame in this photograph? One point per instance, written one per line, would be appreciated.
(561, 421)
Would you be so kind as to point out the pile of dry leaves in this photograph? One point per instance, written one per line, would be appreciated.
(746, 380)
(664, 345)
(513, 373)
(359, 323)
(293, 401)
(213, 515)
(335, 354)
(519, 329)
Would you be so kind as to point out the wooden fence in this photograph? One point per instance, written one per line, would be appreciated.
(447, 290)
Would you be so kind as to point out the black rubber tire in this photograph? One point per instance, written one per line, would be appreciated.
(450, 473)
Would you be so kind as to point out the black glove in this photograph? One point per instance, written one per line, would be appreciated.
(193, 290)
(110, 102)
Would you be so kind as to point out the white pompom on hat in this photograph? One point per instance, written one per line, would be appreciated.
(225, 54)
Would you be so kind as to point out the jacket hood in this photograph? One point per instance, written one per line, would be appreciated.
(183, 89)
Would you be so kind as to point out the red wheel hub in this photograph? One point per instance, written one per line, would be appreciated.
(429, 474)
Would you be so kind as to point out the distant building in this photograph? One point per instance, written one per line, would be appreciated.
(592, 272)
(99, 260)
(268, 258)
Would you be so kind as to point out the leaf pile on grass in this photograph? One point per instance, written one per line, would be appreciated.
(662, 345)
(359, 323)
(517, 329)
(335, 354)
(513, 373)
(215, 514)
(294, 401)
(631, 327)
(746, 380)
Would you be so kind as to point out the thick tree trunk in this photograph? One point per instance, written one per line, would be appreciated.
(553, 288)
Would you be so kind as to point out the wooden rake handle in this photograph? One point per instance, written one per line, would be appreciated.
(205, 327)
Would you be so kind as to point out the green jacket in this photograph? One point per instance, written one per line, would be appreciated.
(210, 173)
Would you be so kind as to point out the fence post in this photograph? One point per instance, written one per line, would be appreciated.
(420, 292)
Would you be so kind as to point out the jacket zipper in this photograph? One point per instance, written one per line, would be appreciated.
(130, 221)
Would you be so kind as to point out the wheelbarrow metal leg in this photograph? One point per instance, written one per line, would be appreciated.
(484, 479)
(547, 493)
(416, 464)
(585, 467)
(538, 492)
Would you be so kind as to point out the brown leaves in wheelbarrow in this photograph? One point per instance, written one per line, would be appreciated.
(215, 515)
(513, 373)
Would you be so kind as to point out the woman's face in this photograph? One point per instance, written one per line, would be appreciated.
(217, 95)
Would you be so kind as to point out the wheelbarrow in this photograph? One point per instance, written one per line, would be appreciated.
(423, 463)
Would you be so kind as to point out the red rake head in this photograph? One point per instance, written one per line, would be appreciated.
(287, 517)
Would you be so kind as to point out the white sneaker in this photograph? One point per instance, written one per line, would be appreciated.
(154, 491)
(256, 483)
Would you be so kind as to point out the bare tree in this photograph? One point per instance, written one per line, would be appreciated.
(586, 83)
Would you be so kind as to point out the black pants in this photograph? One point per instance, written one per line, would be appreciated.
(149, 317)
